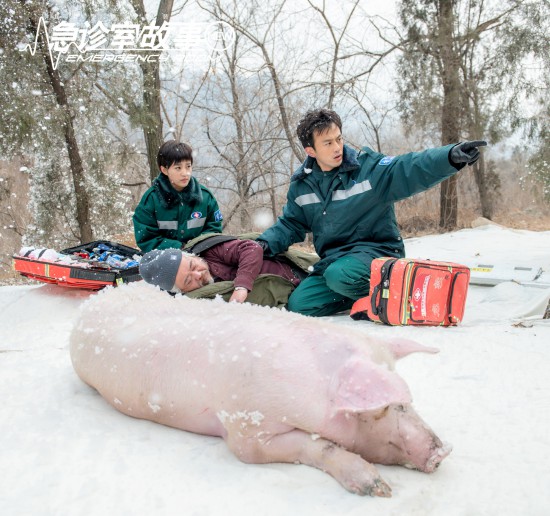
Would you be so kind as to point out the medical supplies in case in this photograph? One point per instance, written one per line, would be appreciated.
(88, 266)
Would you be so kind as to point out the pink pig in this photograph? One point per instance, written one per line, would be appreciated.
(277, 386)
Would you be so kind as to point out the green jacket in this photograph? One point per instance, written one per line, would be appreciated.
(357, 216)
(166, 218)
(268, 289)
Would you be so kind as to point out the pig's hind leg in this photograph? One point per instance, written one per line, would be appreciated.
(299, 447)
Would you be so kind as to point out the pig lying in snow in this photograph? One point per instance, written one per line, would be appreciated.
(277, 386)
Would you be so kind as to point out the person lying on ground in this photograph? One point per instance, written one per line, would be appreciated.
(240, 261)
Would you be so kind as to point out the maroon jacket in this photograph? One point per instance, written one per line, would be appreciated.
(242, 261)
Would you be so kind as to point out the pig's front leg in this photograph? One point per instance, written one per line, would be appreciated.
(296, 446)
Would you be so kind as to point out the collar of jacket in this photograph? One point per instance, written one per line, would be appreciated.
(170, 196)
(349, 162)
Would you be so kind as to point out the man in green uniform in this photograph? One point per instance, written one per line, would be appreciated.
(345, 199)
(177, 207)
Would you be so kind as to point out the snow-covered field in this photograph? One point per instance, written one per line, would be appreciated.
(65, 451)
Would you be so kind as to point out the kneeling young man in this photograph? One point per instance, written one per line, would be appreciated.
(345, 199)
(176, 208)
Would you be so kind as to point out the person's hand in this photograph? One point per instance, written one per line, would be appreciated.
(239, 295)
(264, 245)
(466, 152)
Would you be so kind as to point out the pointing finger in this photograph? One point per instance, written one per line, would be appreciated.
(475, 143)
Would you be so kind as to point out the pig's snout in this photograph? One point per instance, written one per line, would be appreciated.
(438, 451)
(416, 444)
(435, 460)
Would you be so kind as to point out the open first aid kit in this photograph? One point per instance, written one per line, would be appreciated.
(89, 266)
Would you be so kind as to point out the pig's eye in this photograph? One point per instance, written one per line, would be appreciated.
(381, 413)
(400, 408)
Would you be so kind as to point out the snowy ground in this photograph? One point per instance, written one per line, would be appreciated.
(65, 451)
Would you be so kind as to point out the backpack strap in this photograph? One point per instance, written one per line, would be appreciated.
(208, 243)
(379, 298)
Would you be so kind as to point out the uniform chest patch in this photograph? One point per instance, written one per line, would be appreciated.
(196, 215)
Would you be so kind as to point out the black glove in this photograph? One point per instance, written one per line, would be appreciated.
(264, 245)
(466, 152)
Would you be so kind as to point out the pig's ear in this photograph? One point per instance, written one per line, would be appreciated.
(400, 348)
(362, 385)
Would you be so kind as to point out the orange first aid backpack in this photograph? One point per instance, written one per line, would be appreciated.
(406, 291)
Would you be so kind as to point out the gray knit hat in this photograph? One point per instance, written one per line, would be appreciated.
(159, 267)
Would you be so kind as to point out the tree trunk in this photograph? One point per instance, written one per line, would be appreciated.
(152, 119)
(485, 199)
(77, 169)
(241, 167)
(296, 149)
(450, 115)
(480, 168)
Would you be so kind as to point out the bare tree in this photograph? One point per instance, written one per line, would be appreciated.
(57, 85)
(259, 27)
(337, 41)
(374, 115)
(449, 64)
(239, 129)
(454, 64)
(301, 76)
(151, 116)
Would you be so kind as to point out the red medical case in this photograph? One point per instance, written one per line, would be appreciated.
(414, 292)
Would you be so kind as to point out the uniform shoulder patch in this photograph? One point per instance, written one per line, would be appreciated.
(386, 160)
(218, 215)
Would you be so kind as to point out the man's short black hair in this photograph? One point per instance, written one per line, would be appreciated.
(172, 151)
(316, 121)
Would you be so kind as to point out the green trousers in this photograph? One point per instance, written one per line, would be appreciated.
(343, 282)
